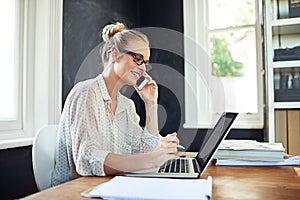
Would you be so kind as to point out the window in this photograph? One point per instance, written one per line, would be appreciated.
(10, 109)
(223, 61)
(30, 70)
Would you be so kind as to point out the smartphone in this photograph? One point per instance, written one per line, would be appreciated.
(141, 82)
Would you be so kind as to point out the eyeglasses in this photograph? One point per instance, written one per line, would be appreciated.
(137, 58)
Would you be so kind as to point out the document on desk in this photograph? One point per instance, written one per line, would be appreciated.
(230, 162)
(121, 187)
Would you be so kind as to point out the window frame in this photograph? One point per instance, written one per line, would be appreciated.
(195, 19)
(41, 67)
(16, 123)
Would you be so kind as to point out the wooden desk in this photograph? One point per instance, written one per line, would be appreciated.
(228, 183)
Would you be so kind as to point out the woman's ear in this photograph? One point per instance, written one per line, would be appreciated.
(114, 54)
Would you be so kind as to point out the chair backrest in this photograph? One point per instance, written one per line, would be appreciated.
(43, 155)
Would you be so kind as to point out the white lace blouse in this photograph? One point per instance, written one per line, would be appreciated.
(88, 131)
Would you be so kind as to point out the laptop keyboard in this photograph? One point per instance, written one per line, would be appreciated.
(175, 166)
(196, 168)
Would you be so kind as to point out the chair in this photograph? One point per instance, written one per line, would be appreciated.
(43, 155)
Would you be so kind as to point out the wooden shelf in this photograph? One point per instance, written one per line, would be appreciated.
(286, 22)
(289, 29)
(287, 105)
(286, 26)
(286, 64)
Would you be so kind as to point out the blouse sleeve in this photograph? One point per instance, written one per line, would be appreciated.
(87, 154)
(142, 140)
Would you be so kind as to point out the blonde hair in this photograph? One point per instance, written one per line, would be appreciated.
(117, 34)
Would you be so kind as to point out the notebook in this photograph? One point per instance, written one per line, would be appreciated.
(187, 167)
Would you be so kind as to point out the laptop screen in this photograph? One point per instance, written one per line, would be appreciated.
(213, 139)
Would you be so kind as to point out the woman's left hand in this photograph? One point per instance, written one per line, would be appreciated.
(149, 93)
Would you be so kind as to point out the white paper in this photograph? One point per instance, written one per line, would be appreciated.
(121, 187)
(250, 145)
(231, 162)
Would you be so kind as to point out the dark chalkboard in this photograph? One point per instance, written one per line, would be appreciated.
(83, 21)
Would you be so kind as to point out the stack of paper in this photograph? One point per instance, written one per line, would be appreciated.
(121, 187)
(252, 153)
(230, 162)
(250, 150)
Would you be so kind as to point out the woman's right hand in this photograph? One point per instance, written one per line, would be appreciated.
(165, 150)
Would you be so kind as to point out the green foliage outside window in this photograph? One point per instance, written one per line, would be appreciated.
(222, 62)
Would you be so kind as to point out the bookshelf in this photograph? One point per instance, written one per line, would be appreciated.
(282, 75)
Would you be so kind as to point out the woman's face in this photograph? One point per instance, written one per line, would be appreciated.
(125, 66)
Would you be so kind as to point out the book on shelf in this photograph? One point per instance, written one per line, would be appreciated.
(250, 150)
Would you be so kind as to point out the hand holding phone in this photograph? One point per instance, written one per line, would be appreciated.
(147, 89)
(141, 82)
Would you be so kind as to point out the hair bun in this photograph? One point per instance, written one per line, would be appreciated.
(111, 29)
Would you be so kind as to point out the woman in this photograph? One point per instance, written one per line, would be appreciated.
(99, 132)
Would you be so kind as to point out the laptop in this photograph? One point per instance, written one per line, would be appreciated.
(193, 167)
